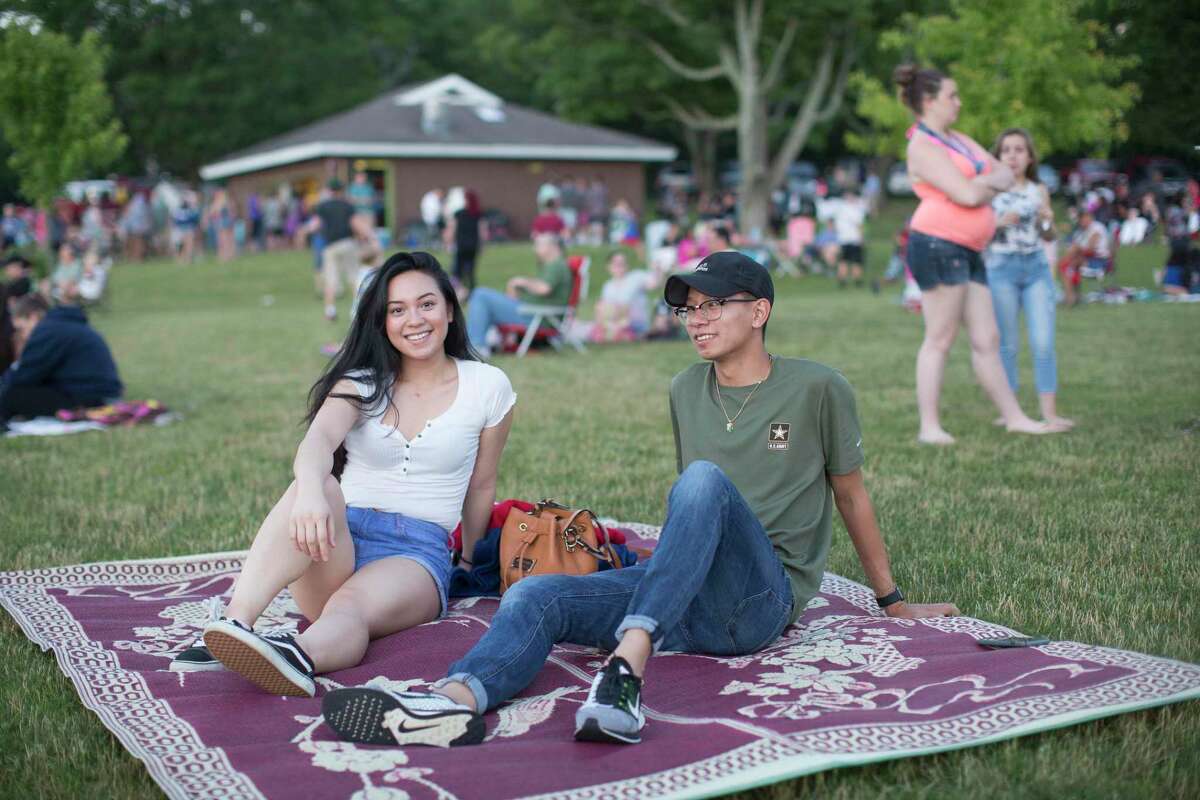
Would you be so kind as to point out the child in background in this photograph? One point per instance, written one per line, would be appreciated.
(848, 214)
(623, 225)
(621, 310)
(64, 281)
(1086, 257)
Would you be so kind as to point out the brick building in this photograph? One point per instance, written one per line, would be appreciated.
(447, 132)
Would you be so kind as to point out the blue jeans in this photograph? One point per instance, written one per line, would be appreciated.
(713, 586)
(488, 307)
(1023, 280)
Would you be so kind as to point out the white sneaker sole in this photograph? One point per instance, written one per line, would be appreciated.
(256, 661)
(590, 726)
(371, 716)
(196, 666)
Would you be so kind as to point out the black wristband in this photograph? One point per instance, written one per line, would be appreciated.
(462, 560)
(891, 599)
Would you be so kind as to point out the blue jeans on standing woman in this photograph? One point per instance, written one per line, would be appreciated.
(713, 586)
(1023, 280)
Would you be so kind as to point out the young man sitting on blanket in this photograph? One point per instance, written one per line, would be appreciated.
(760, 440)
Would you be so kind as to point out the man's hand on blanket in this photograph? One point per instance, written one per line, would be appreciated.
(311, 526)
(904, 610)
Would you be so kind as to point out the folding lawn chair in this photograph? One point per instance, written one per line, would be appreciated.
(552, 324)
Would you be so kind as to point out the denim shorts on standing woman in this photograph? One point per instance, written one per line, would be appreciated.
(382, 534)
(935, 262)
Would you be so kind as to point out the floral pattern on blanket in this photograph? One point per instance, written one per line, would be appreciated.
(843, 686)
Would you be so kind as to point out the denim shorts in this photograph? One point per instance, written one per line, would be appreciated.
(934, 262)
(382, 534)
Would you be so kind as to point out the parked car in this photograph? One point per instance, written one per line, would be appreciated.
(677, 175)
(1094, 172)
(898, 182)
(1172, 175)
(730, 176)
(803, 179)
(1048, 177)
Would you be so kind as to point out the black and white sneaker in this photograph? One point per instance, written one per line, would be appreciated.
(613, 709)
(196, 658)
(274, 662)
(375, 716)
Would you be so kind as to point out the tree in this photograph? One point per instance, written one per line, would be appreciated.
(759, 66)
(1027, 63)
(769, 73)
(55, 111)
(193, 81)
(613, 80)
(1166, 117)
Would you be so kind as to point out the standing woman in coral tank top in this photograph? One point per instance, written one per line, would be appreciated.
(955, 180)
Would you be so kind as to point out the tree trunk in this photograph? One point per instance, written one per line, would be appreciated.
(702, 149)
(754, 211)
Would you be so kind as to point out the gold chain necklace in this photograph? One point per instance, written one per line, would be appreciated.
(717, 389)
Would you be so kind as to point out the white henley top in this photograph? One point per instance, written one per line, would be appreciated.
(424, 477)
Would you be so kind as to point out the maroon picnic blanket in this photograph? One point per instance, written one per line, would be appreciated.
(843, 686)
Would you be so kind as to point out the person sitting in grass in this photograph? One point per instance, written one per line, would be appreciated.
(766, 447)
(60, 362)
(63, 284)
(551, 287)
(18, 279)
(621, 310)
(414, 425)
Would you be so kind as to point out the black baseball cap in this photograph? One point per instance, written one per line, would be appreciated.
(721, 275)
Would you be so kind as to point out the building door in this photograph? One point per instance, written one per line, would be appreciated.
(381, 177)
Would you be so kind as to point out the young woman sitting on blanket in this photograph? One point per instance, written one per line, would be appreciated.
(414, 425)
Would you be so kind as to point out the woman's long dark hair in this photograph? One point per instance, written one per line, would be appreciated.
(367, 349)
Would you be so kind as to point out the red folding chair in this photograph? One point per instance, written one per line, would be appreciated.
(550, 324)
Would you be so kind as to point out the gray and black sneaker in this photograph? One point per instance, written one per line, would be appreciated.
(375, 716)
(613, 709)
(274, 662)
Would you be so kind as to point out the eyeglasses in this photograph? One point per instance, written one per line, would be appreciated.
(710, 310)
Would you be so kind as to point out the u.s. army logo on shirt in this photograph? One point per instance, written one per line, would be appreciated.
(778, 435)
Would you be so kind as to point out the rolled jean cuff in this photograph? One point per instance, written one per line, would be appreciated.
(472, 683)
(641, 623)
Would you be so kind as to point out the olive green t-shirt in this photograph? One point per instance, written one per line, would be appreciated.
(798, 428)
(558, 275)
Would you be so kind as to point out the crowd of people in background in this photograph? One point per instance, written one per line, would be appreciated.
(817, 226)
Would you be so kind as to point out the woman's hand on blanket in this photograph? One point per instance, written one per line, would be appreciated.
(311, 526)
(904, 610)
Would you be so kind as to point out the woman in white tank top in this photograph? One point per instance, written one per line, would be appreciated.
(414, 425)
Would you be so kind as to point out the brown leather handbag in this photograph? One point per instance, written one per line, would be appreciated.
(552, 540)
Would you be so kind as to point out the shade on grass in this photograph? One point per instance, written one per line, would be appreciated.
(1089, 536)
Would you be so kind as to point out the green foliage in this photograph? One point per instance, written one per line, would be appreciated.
(1030, 63)
(194, 81)
(55, 111)
(1166, 118)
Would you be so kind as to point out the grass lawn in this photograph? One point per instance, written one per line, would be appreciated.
(1091, 535)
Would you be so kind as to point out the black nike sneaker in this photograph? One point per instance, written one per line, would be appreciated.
(375, 716)
(613, 709)
(274, 662)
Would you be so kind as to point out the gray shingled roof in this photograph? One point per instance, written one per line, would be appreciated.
(382, 122)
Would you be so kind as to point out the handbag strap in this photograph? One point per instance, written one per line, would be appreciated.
(604, 551)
